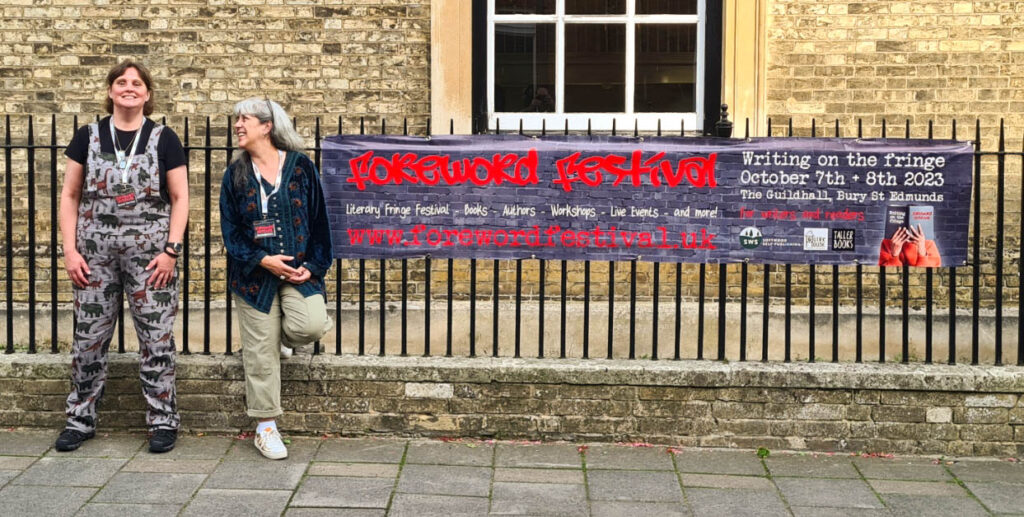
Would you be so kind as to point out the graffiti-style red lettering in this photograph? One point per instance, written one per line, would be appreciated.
(698, 171)
(433, 169)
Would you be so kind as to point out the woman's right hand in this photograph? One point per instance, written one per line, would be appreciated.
(899, 238)
(277, 266)
(77, 268)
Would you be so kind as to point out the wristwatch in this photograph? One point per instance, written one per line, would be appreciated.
(173, 248)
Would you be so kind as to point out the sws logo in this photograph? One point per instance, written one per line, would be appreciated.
(750, 237)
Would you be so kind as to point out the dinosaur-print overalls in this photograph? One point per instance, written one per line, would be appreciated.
(117, 243)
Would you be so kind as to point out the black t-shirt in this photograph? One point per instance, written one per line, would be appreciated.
(170, 154)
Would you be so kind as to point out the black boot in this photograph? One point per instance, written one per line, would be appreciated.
(71, 439)
(162, 440)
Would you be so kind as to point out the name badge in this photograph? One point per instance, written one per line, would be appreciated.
(264, 228)
(124, 195)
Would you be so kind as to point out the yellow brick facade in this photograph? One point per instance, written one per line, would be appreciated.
(896, 61)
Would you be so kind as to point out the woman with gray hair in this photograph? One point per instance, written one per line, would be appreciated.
(279, 248)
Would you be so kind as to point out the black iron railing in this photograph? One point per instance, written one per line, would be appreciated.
(214, 158)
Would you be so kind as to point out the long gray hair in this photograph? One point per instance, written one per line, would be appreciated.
(282, 134)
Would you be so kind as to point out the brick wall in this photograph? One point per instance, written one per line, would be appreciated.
(916, 61)
(319, 57)
(875, 61)
(896, 60)
(959, 410)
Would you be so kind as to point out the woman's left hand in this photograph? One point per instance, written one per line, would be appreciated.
(163, 271)
(301, 275)
(917, 238)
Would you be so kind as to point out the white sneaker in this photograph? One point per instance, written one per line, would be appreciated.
(268, 442)
(286, 351)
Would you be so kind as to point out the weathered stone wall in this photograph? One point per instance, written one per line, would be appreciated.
(953, 410)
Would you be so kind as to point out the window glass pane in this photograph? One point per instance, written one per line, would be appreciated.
(595, 6)
(595, 67)
(524, 67)
(524, 7)
(666, 6)
(666, 68)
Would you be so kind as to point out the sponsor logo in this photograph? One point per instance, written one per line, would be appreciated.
(843, 239)
(750, 237)
(816, 239)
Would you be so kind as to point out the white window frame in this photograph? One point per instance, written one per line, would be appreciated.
(624, 121)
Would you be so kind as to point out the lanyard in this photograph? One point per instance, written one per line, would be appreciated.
(264, 197)
(122, 161)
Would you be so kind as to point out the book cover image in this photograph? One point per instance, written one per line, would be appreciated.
(909, 238)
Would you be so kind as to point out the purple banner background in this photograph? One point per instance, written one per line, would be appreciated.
(793, 192)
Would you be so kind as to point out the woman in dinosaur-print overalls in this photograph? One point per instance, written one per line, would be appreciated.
(123, 211)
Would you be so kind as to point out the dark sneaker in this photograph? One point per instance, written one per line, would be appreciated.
(71, 439)
(162, 440)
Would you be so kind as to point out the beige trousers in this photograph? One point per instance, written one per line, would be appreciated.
(302, 320)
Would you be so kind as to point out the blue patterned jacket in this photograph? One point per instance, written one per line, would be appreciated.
(302, 231)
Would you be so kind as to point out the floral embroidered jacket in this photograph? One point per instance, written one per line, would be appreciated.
(301, 226)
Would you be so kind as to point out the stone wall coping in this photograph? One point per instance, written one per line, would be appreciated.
(712, 374)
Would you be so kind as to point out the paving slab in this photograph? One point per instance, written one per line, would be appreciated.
(911, 469)
(149, 464)
(622, 457)
(300, 450)
(240, 503)
(149, 487)
(537, 499)
(7, 475)
(105, 446)
(420, 505)
(620, 508)
(51, 471)
(713, 502)
(344, 492)
(194, 448)
(465, 453)
(256, 475)
(334, 512)
(540, 455)
(445, 480)
(628, 485)
(719, 462)
(43, 500)
(16, 462)
(834, 493)
(528, 475)
(128, 510)
(917, 505)
(361, 450)
(988, 471)
(360, 470)
(818, 511)
(720, 481)
(26, 443)
(998, 497)
(933, 488)
(812, 466)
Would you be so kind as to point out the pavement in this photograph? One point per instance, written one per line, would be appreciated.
(114, 474)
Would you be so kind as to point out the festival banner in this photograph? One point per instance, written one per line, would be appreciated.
(885, 202)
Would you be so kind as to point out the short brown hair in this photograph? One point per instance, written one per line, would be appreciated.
(118, 71)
